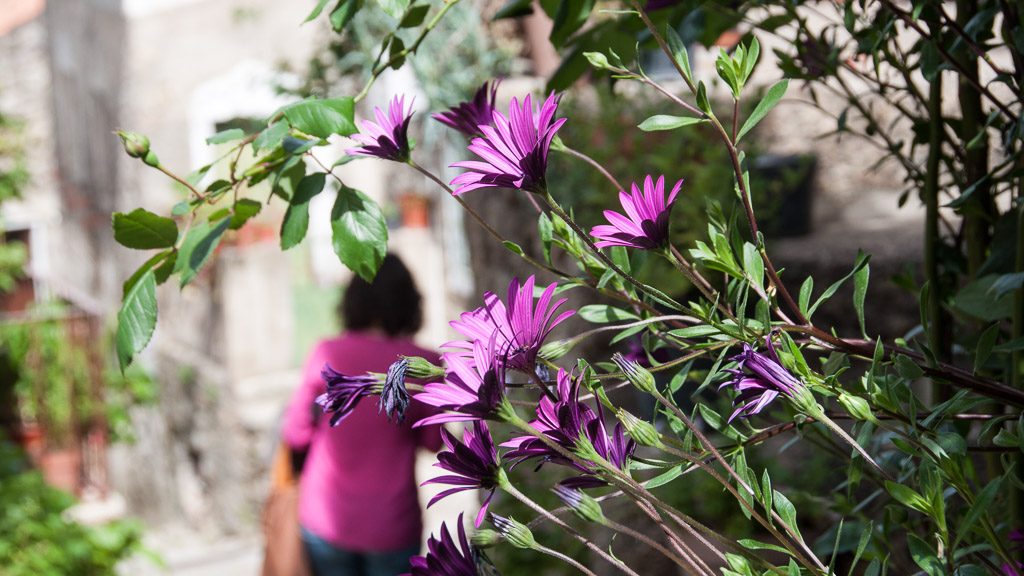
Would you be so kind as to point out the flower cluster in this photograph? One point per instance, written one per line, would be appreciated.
(577, 428)
(445, 556)
(645, 224)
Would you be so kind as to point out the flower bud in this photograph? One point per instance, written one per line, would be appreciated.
(136, 145)
(517, 533)
(581, 503)
(636, 374)
(420, 368)
(486, 538)
(642, 431)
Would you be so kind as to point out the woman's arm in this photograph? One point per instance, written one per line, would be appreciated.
(299, 422)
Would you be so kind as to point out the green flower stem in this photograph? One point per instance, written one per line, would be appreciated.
(730, 145)
(691, 273)
(600, 255)
(597, 165)
(807, 557)
(693, 559)
(380, 68)
(644, 506)
(515, 493)
(567, 559)
(819, 415)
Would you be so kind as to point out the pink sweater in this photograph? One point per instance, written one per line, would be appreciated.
(358, 488)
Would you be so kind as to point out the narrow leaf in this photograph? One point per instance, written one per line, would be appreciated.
(771, 98)
(666, 122)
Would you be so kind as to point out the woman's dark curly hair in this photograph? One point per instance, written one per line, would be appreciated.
(391, 302)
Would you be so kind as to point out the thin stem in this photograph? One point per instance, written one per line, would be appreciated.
(199, 195)
(604, 172)
(643, 538)
(701, 283)
(597, 252)
(515, 493)
(567, 559)
(838, 431)
(401, 54)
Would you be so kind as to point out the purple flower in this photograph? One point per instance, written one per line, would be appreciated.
(394, 398)
(645, 225)
(518, 330)
(473, 387)
(387, 138)
(472, 462)
(343, 393)
(572, 424)
(467, 117)
(514, 150)
(758, 379)
(445, 557)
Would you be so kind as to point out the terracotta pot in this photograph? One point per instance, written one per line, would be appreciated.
(29, 435)
(62, 469)
(415, 211)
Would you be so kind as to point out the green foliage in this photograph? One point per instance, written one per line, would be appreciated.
(360, 235)
(39, 539)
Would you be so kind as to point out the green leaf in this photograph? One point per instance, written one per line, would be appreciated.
(394, 8)
(323, 118)
(161, 265)
(316, 11)
(908, 497)
(977, 299)
(513, 247)
(666, 122)
(343, 13)
(197, 248)
(143, 230)
(695, 331)
(755, 545)
(514, 9)
(243, 211)
(771, 98)
(603, 314)
(860, 290)
(664, 478)
(786, 510)
(805, 295)
(861, 262)
(296, 218)
(359, 232)
(986, 342)
(226, 136)
(136, 320)
(924, 556)
(415, 16)
(982, 505)
(271, 136)
(907, 368)
(571, 15)
(679, 54)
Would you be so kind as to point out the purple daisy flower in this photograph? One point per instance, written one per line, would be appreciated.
(473, 387)
(645, 225)
(388, 137)
(514, 149)
(758, 379)
(445, 557)
(472, 462)
(343, 393)
(467, 117)
(394, 398)
(571, 423)
(516, 331)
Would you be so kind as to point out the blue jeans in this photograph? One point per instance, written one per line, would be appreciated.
(325, 559)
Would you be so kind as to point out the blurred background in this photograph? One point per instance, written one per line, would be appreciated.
(176, 452)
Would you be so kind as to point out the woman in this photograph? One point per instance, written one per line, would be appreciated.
(358, 505)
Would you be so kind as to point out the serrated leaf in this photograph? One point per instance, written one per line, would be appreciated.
(359, 232)
(136, 321)
(197, 248)
(296, 218)
(143, 230)
(666, 122)
(603, 314)
(149, 265)
(323, 118)
(771, 98)
(244, 209)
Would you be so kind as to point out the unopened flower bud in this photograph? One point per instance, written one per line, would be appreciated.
(642, 431)
(486, 538)
(581, 503)
(136, 145)
(420, 368)
(636, 374)
(517, 533)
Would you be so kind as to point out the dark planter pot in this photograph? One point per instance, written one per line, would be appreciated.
(783, 192)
